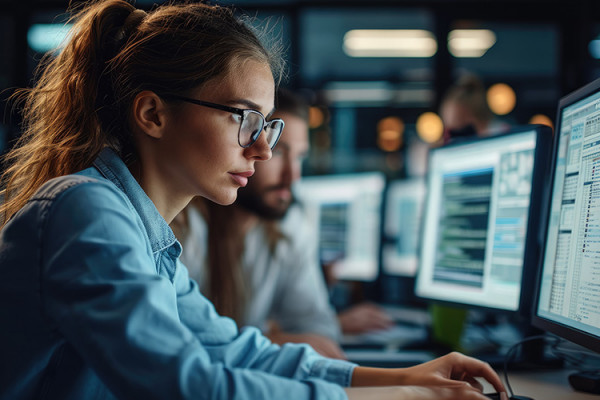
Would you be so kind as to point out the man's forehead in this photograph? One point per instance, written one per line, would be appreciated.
(293, 144)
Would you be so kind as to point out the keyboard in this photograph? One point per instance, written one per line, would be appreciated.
(388, 358)
(396, 336)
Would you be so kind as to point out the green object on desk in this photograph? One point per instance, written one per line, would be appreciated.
(447, 325)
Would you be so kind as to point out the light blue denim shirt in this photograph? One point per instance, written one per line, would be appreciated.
(95, 304)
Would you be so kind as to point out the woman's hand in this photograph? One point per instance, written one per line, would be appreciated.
(453, 367)
(448, 371)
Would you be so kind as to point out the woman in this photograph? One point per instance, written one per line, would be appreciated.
(138, 114)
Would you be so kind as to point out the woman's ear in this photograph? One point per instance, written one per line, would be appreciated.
(149, 114)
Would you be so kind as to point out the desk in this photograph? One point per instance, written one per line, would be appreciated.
(544, 385)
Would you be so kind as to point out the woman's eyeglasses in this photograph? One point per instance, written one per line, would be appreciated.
(251, 125)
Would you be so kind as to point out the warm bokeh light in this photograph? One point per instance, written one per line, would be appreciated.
(390, 124)
(542, 120)
(501, 98)
(390, 134)
(430, 127)
(316, 117)
(389, 140)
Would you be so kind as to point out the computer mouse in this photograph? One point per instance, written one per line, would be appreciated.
(493, 396)
(496, 396)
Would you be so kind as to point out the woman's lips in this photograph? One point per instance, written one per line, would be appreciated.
(241, 178)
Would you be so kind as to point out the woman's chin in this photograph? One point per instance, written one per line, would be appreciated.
(224, 199)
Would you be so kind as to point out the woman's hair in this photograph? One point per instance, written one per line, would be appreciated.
(82, 97)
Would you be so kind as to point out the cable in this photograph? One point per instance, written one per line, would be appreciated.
(509, 354)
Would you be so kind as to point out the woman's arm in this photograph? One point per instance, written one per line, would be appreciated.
(103, 293)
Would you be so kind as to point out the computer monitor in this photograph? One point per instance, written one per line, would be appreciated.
(401, 226)
(346, 209)
(479, 242)
(568, 293)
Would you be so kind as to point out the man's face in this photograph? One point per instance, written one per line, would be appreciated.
(268, 193)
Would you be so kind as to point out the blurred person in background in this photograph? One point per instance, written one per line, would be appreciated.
(465, 112)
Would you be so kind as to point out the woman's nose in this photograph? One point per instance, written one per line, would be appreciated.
(260, 150)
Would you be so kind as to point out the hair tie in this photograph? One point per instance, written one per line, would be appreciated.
(133, 20)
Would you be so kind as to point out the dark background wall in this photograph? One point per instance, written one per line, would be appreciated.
(543, 50)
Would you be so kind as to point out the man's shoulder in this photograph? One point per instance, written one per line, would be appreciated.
(295, 220)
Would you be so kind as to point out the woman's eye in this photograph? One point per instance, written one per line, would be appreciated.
(237, 118)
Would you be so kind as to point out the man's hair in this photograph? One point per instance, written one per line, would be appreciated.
(287, 101)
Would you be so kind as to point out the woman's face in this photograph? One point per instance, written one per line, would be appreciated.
(200, 154)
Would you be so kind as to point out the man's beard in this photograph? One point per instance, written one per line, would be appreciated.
(253, 201)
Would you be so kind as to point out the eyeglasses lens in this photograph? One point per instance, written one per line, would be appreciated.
(250, 129)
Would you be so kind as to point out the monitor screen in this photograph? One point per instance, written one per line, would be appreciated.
(346, 211)
(568, 301)
(401, 226)
(478, 232)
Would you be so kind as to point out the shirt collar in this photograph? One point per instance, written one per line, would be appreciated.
(114, 169)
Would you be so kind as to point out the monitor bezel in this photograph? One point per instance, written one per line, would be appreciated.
(543, 147)
(387, 240)
(569, 333)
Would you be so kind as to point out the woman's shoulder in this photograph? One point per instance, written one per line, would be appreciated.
(64, 188)
(78, 196)
(66, 207)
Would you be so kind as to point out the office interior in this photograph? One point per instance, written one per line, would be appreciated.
(375, 112)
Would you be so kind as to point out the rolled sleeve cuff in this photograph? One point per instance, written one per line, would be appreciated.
(335, 371)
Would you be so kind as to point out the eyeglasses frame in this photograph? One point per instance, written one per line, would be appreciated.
(239, 111)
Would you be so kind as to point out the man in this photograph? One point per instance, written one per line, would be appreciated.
(261, 268)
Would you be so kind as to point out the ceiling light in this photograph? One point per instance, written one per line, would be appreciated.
(45, 37)
(470, 42)
(389, 43)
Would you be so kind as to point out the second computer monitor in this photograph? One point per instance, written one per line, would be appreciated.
(345, 210)
(478, 232)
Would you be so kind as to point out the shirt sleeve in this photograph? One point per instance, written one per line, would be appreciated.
(147, 336)
(302, 303)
